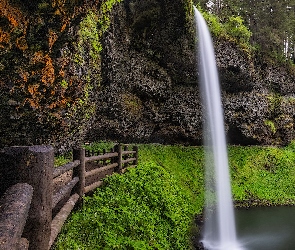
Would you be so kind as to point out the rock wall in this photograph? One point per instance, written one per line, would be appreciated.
(150, 86)
(49, 69)
(70, 69)
(149, 91)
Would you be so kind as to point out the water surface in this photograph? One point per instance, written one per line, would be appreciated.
(266, 228)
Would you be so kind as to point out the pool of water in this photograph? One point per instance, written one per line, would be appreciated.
(266, 228)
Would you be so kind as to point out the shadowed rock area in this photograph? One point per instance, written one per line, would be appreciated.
(150, 91)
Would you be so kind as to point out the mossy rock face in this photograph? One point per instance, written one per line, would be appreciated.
(149, 52)
(68, 68)
(50, 69)
(260, 118)
(237, 73)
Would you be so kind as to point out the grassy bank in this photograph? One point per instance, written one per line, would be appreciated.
(153, 205)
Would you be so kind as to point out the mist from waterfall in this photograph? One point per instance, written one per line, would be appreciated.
(219, 229)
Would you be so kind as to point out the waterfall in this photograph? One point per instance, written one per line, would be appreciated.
(219, 229)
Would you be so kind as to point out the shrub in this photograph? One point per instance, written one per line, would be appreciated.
(235, 28)
(143, 209)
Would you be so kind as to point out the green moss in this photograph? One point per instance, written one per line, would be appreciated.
(92, 28)
(86, 55)
(132, 104)
(271, 125)
(64, 84)
(275, 101)
(90, 34)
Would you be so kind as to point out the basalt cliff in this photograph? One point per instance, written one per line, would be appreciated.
(76, 71)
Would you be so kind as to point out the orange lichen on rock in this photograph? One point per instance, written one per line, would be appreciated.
(21, 43)
(4, 38)
(33, 89)
(24, 76)
(48, 75)
(38, 57)
(52, 38)
(13, 14)
(17, 23)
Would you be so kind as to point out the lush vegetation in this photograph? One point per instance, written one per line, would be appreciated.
(153, 205)
(263, 175)
(231, 28)
(270, 22)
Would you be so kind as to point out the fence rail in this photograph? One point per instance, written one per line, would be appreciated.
(14, 209)
(49, 210)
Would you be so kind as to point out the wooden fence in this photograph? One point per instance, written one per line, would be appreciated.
(56, 190)
(14, 209)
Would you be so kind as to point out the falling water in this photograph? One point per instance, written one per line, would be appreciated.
(219, 231)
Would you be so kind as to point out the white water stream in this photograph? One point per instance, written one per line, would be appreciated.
(219, 231)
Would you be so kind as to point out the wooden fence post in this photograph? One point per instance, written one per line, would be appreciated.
(118, 148)
(135, 148)
(79, 154)
(32, 165)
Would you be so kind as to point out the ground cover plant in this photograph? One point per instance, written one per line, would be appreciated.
(263, 175)
(153, 206)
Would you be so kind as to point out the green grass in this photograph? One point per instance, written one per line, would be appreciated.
(153, 205)
(60, 160)
(99, 146)
(263, 175)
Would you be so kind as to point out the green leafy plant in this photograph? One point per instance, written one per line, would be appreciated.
(62, 159)
(235, 28)
(152, 206)
(99, 146)
(143, 209)
(216, 27)
(231, 28)
(263, 175)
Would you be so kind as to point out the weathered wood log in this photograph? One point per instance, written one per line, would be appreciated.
(104, 160)
(33, 165)
(128, 152)
(79, 154)
(101, 157)
(93, 186)
(135, 148)
(65, 190)
(119, 159)
(14, 210)
(128, 160)
(101, 169)
(64, 168)
(61, 217)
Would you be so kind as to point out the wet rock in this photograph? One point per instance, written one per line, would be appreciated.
(149, 53)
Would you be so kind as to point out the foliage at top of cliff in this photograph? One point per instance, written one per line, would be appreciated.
(270, 22)
(231, 28)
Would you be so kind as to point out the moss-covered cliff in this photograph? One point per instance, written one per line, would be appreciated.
(50, 69)
(68, 68)
(150, 91)
(148, 67)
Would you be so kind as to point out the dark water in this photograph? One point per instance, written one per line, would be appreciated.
(267, 228)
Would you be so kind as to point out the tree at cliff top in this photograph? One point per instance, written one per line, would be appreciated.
(49, 68)
(271, 22)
